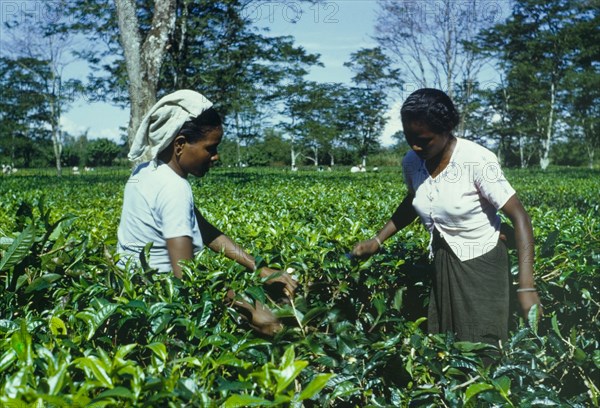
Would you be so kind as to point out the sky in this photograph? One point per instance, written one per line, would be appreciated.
(333, 29)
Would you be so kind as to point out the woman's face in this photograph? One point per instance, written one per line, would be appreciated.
(423, 141)
(198, 157)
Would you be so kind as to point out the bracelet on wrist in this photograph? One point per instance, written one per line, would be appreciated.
(376, 238)
(526, 290)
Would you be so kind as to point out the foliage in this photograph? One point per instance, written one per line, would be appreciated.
(430, 42)
(77, 329)
(32, 37)
(102, 152)
(214, 48)
(316, 111)
(547, 53)
(217, 48)
(23, 111)
(365, 108)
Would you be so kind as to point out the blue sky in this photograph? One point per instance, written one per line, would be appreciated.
(333, 29)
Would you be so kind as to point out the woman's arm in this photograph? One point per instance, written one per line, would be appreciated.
(259, 316)
(403, 216)
(525, 245)
(179, 248)
(219, 242)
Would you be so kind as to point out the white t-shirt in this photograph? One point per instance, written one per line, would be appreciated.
(157, 205)
(462, 201)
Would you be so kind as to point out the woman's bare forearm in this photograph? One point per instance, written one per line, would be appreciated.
(219, 242)
(233, 251)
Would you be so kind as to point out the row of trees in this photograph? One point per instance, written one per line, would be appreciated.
(81, 151)
(545, 54)
(549, 57)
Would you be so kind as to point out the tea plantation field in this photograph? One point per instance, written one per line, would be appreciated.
(76, 330)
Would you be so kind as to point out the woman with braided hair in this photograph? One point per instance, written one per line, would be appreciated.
(456, 187)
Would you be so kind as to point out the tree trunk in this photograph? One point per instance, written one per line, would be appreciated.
(544, 157)
(238, 142)
(178, 72)
(588, 137)
(294, 156)
(57, 147)
(55, 119)
(365, 147)
(500, 152)
(293, 153)
(521, 152)
(143, 60)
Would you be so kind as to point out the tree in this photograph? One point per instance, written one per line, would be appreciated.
(314, 116)
(271, 149)
(584, 113)
(130, 42)
(23, 111)
(319, 127)
(76, 150)
(429, 39)
(144, 54)
(430, 42)
(365, 110)
(535, 50)
(292, 110)
(211, 46)
(217, 49)
(582, 100)
(101, 152)
(33, 41)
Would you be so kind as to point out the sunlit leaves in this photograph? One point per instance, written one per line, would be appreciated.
(77, 329)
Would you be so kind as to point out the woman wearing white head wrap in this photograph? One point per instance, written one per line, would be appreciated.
(179, 136)
(162, 123)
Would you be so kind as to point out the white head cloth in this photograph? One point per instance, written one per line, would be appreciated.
(164, 121)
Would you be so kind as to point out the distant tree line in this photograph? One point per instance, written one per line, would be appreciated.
(81, 151)
(543, 108)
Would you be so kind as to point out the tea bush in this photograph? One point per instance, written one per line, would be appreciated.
(77, 330)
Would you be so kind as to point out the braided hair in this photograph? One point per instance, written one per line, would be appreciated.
(432, 107)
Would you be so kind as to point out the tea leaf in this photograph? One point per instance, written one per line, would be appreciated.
(19, 248)
(475, 389)
(243, 400)
(316, 385)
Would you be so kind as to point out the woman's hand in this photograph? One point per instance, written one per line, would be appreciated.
(264, 321)
(365, 249)
(259, 316)
(527, 300)
(289, 284)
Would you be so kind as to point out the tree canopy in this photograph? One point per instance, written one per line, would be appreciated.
(541, 93)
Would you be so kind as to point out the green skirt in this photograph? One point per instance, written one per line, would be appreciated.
(470, 298)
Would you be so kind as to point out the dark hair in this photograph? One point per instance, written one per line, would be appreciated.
(432, 107)
(196, 128)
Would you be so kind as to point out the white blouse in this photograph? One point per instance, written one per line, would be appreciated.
(158, 205)
(462, 201)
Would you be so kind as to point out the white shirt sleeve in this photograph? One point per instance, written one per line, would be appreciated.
(491, 183)
(175, 210)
